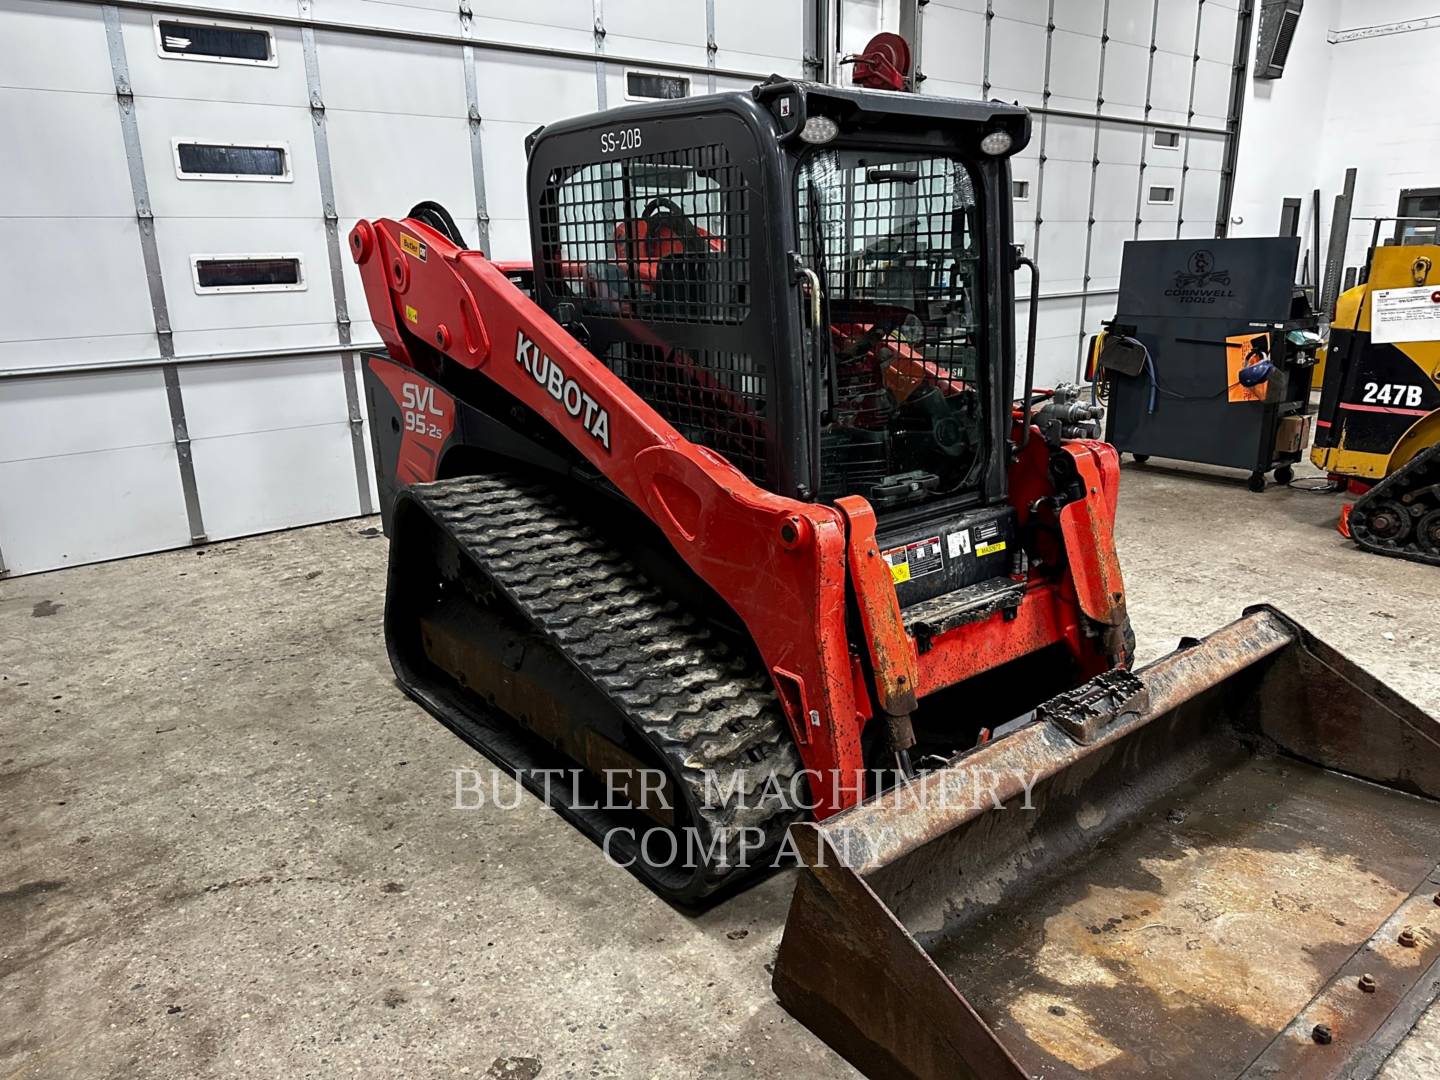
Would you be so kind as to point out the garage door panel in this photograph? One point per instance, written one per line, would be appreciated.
(1017, 56)
(1206, 152)
(1170, 87)
(162, 120)
(109, 299)
(264, 339)
(1062, 255)
(1067, 191)
(262, 481)
(1067, 139)
(1175, 26)
(53, 127)
(1074, 71)
(504, 150)
(1120, 144)
(1126, 70)
(435, 164)
(179, 240)
(532, 90)
(1034, 12)
(1085, 17)
(1024, 234)
(1202, 202)
(263, 395)
(388, 75)
(1115, 190)
(552, 24)
(1130, 21)
(30, 29)
(510, 238)
(759, 35)
(955, 52)
(673, 31)
(72, 414)
(1217, 33)
(191, 80)
(116, 502)
(426, 16)
(970, 91)
(1212, 93)
(1105, 250)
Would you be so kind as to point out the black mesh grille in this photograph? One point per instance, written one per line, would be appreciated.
(662, 238)
(645, 246)
(712, 397)
(894, 241)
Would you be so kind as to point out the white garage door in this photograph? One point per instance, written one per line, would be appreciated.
(175, 361)
(1132, 100)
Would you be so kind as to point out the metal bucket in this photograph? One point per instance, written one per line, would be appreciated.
(1192, 881)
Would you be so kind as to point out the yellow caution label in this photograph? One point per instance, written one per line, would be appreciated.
(899, 572)
(412, 315)
(991, 548)
(412, 247)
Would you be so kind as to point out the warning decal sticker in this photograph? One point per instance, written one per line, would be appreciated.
(958, 543)
(1400, 315)
(913, 560)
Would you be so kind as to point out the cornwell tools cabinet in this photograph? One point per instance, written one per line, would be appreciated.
(1210, 354)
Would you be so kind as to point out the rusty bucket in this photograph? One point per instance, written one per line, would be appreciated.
(1225, 867)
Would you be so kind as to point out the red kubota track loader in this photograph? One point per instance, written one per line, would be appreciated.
(734, 524)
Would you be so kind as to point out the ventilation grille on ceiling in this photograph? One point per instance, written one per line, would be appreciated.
(1278, 20)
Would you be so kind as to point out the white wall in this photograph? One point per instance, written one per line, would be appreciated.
(258, 424)
(1369, 104)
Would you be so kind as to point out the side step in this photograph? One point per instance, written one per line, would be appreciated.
(975, 603)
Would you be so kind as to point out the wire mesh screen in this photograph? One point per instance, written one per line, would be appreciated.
(645, 246)
(663, 237)
(894, 240)
(712, 397)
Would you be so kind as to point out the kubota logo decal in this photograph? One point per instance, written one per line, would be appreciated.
(580, 405)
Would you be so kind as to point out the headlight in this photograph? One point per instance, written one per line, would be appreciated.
(821, 129)
(997, 142)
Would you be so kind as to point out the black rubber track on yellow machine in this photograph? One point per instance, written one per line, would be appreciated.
(1411, 495)
(699, 703)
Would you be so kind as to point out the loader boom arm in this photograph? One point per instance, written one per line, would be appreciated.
(420, 285)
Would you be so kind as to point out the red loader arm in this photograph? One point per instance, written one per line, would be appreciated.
(419, 284)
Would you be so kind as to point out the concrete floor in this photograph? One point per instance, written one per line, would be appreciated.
(230, 848)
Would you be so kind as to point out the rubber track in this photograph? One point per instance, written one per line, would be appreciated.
(1420, 476)
(693, 698)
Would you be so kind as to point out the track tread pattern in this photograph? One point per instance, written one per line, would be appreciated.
(693, 698)
(1412, 491)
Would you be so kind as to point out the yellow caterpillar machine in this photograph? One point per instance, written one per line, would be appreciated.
(1379, 419)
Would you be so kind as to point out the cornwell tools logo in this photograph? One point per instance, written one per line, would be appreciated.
(1200, 282)
(581, 406)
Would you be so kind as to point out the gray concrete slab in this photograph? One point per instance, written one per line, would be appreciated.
(230, 846)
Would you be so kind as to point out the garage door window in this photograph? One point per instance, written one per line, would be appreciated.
(213, 41)
(247, 273)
